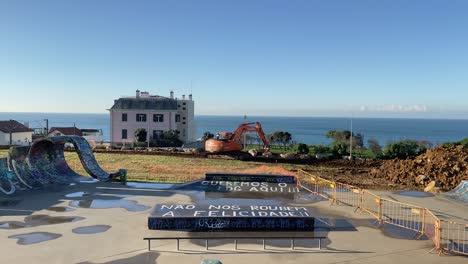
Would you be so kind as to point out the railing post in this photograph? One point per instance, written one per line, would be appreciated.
(177, 244)
(263, 244)
(363, 194)
(206, 244)
(379, 213)
(334, 197)
(149, 244)
(423, 227)
(438, 235)
(380, 209)
(235, 244)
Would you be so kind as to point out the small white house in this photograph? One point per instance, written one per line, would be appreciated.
(89, 134)
(13, 132)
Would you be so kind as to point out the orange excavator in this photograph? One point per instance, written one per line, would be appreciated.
(226, 142)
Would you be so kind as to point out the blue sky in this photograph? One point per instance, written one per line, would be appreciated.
(306, 58)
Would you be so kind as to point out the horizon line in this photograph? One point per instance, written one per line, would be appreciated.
(351, 116)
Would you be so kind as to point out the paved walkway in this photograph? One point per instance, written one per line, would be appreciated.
(442, 207)
(352, 237)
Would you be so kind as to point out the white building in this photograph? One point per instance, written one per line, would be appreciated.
(153, 113)
(89, 134)
(13, 132)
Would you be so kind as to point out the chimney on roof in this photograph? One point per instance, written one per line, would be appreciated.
(190, 97)
(172, 94)
(183, 97)
(137, 93)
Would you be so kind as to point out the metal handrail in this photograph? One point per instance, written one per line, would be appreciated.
(235, 238)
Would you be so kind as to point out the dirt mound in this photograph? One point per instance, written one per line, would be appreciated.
(447, 166)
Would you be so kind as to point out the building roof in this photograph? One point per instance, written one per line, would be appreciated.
(69, 131)
(13, 126)
(145, 103)
(90, 130)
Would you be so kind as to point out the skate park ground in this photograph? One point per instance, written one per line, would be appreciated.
(106, 223)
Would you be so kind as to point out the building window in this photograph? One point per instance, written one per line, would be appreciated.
(141, 117)
(124, 133)
(124, 117)
(158, 118)
(157, 134)
(178, 106)
(183, 123)
(183, 118)
(177, 118)
(183, 108)
(183, 103)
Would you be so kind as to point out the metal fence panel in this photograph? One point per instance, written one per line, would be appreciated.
(371, 204)
(403, 215)
(431, 227)
(454, 237)
(347, 194)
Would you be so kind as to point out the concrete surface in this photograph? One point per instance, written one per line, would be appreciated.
(353, 237)
(442, 207)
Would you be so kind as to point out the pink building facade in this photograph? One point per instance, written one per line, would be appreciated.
(153, 113)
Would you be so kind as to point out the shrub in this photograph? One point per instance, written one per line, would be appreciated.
(403, 149)
(302, 148)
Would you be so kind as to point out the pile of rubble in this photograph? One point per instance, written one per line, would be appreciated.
(439, 169)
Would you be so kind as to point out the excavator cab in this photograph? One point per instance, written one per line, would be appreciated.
(223, 136)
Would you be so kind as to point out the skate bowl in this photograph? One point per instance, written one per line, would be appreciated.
(44, 163)
(460, 193)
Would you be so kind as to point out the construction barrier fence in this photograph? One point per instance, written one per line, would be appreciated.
(447, 236)
(454, 237)
(431, 227)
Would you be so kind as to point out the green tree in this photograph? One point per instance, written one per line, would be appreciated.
(302, 148)
(170, 138)
(319, 149)
(404, 149)
(341, 140)
(374, 146)
(463, 142)
(140, 135)
(280, 138)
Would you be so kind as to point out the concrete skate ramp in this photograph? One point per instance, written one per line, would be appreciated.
(47, 158)
(460, 193)
(44, 163)
(6, 185)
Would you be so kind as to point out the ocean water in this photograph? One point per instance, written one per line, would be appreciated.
(309, 130)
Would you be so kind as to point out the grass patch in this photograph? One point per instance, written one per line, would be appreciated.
(159, 168)
(155, 168)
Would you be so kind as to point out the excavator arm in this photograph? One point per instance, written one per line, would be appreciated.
(231, 142)
(237, 135)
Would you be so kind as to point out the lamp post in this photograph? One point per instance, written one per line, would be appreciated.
(351, 140)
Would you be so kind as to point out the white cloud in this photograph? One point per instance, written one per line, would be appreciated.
(395, 108)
